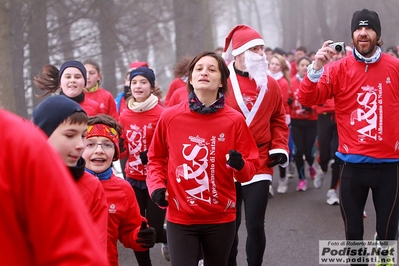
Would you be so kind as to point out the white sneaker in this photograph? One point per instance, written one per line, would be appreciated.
(201, 262)
(165, 251)
(271, 192)
(282, 185)
(318, 181)
(332, 198)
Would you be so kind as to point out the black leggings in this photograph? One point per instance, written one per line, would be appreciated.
(304, 134)
(255, 197)
(356, 181)
(184, 241)
(155, 217)
(327, 136)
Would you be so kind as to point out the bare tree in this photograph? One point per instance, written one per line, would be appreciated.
(18, 59)
(6, 93)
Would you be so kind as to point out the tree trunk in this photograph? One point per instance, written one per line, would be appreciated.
(7, 100)
(18, 58)
(37, 39)
(193, 27)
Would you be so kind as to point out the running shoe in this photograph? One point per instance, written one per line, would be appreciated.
(165, 251)
(302, 185)
(201, 262)
(332, 198)
(282, 185)
(318, 181)
(271, 192)
(312, 172)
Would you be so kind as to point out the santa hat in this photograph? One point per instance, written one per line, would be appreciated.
(242, 38)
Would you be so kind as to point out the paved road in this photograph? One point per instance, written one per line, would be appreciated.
(295, 222)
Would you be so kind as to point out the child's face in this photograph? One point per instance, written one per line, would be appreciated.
(99, 157)
(72, 82)
(140, 88)
(69, 140)
(274, 65)
(92, 76)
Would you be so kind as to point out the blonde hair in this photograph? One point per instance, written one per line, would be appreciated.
(284, 67)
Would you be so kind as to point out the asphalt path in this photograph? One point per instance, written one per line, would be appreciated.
(295, 222)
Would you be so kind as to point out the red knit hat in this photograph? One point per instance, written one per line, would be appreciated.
(242, 38)
(137, 64)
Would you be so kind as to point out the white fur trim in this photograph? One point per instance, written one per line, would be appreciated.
(274, 151)
(247, 45)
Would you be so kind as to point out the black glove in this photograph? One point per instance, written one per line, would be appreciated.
(146, 236)
(158, 196)
(121, 145)
(235, 160)
(308, 109)
(290, 101)
(143, 157)
(278, 158)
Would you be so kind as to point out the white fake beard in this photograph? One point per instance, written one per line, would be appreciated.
(257, 66)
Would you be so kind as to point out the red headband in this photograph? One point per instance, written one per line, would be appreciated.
(101, 130)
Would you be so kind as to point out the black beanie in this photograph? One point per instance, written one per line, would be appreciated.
(76, 64)
(146, 72)
(366, 18)
(54, 110)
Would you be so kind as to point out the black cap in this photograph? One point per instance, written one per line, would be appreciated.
(366, 18)
(54, 110)
(75, 64)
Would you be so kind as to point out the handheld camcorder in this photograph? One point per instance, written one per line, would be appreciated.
(338, 46)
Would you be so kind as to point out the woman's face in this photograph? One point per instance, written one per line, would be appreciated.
(93, 76)
(206, 75)
(274, 65)
(72, 82)
(302, 67)
(141, 88)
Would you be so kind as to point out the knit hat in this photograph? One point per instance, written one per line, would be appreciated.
(366, 18)
(242, 38)
(137, 64)
(76, 64)
(54, 110)
(101, 130)
(146, 72)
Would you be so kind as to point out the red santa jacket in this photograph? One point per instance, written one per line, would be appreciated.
(265, 116)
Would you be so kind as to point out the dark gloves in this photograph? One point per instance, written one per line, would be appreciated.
(158, 196)
(290, 101)
(146, 236)
(143, 157)
(278, 158)
(308, 109)
(235, 160)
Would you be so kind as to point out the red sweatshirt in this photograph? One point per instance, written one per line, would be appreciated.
(105, 100)
(174, 85)
(366, 104)
(188, 157)
(138, 129)
(94, 198)
(43, 219)
(124, 219)
(91, 107)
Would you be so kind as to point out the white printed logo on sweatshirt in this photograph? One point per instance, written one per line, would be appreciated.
(137, 142)
(368, 117)
(112, 208)
(199, 155)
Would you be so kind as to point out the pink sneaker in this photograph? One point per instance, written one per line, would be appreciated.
(302, 185)
(312, 172)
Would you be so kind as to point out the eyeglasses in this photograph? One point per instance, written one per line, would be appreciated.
(106, 146)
